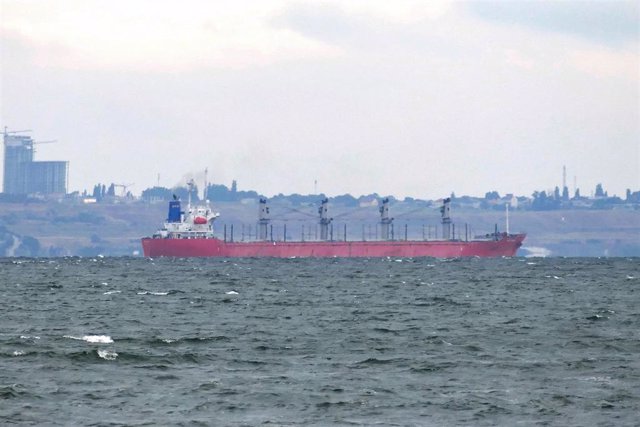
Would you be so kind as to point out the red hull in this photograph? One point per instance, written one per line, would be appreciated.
(212, 247)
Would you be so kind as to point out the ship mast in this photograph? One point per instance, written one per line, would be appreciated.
(204, 193)
(385, 221)
(190, 189)
(324, 219)
(507, 217)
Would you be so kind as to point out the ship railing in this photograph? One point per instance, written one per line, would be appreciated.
(410, 231)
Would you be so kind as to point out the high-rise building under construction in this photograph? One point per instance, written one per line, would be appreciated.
(23, 175)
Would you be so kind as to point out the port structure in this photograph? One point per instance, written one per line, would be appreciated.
(124, 187)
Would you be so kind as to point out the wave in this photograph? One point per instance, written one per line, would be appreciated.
(13, 391)
(107, 354)
(160, 293)
(94, 339)
(29, 337)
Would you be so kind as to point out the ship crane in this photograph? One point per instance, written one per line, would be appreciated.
(323, 211)
(385, 219)
(263, 218)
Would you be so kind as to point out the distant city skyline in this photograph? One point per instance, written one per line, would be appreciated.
(404, 98)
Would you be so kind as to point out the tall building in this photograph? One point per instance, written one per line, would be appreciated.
(22, 175)
(18, 153)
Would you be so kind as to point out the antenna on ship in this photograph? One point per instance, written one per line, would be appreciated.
(204, 193)
(263, 218)
(190, 187)
(507, 217)
(324, 219)
(385, 221)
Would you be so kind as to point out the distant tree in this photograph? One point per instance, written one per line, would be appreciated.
(606, 203)
(345, 200)
(577, 194)
(556, 193)
(156, 193)
(112, 190)
(599, 191)
(633, 197)
(565, 193)
(219, 193)
(492, 195)
(96, 192)
(542, 202)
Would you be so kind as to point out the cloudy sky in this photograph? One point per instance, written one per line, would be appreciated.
(409, 98)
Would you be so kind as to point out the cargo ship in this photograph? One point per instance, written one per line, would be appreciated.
(190, 233)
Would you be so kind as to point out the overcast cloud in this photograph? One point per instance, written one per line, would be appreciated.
(408, 98)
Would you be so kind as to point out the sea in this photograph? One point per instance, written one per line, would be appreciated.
(132, 341)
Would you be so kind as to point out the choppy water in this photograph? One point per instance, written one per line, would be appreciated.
(112, 341)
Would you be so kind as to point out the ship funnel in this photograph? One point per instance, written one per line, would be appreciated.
(323, 211)
(263, 218)
(174, 210)
(385, 221)
(445, 211)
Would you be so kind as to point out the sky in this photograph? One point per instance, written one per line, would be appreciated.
(403, 98)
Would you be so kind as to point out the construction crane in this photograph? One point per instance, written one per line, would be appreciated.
(124, 188)
(26, 142)
(7, 132)
(41, 142)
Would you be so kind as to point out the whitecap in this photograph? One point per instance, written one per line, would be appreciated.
(29, 337)
(153, 293)
(101, 339)
(107, 354)
(536, 252)
(231, 293)
(111, 292)
(18, 353)
(104, 284)
(94, 339)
